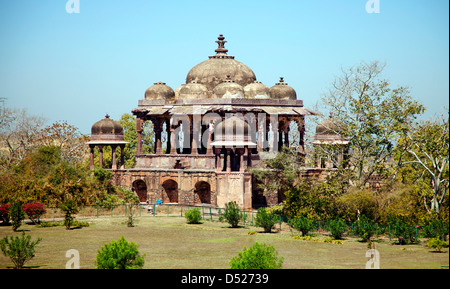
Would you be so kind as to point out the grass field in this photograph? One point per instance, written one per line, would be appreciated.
(169, 242)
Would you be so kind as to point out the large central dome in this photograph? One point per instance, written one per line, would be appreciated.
(215, 70)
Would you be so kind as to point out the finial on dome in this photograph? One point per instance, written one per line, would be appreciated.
(221, 44)
(281, 82)
(107, 116)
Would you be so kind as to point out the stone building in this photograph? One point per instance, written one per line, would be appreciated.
(331, 148)
(209, 132)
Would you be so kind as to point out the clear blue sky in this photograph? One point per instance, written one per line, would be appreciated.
(78, 67)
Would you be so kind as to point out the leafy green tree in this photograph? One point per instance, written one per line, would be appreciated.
(232, 214)
(132, 201)
(19, 249)
(372, 116)
(70, 208)
(365, 228)
(119, 254)
(337, 228)
(193, 216)
(130, 135)
(302, 224)
(283, 170)
(17, 215)
(257, 257)
(265, 220)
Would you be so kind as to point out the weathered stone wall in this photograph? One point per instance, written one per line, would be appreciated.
(188, 186)
(155, 181)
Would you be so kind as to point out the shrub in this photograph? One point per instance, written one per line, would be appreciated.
(434, 228)
(401, 230)
(365, 228)
(4, 213)
(17, 216)
(257, 257)
(436, 244)
(119, 254)
(69, 208)
(19, 249)
(34, 211)
(265, 220)
(232, 214)
(328, 240)
(193, 216)
(337, 228)
(302, 224)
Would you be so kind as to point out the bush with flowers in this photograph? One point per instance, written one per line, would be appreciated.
(4, 213)
(401, 230)
(34, 211)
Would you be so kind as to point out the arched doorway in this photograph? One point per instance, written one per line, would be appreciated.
(203, 192)
(171, 191)
(140, 188)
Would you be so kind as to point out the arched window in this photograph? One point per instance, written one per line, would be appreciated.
(170, 191)
(140, 188)
(202, 193)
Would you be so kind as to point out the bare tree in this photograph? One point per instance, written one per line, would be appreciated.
(428, 147)
(17, 133)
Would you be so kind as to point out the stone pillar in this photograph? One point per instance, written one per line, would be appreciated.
(276, 134)
(139, 130)
(173, 137)
(228, 159)
(169, 137)
(209, 149)
(286, 134)
(195, 134)
(241, 159)
(157, 127)
(261, 134)
(114, 161)
(218, 161)
(249, 157)
(122, 156)
(91, 165)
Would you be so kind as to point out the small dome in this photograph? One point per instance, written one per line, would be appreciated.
(177, 91)
(159, 90)
(328, 127)
(232, 128)
(212, 71)
(329, 131)
(228, 89)
(256, 90)
(282, 90)
(107, 129)
(193, 90)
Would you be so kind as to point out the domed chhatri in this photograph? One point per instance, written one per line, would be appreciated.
(107, 129)
(329, 131)
(257, 90)
(107, 132)
(160, 90)
(211, 72)
(282, 90)
(228, 89)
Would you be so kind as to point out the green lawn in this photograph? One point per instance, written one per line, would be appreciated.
(169, 242)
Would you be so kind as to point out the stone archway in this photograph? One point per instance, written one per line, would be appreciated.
(203, 192)
(171, 191)
(140, 188)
